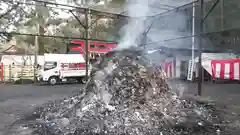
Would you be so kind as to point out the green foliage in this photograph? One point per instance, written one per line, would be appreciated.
(25, 18)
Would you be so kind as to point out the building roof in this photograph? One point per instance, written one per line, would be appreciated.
(13, 49)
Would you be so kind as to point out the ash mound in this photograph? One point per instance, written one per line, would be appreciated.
(125, 95)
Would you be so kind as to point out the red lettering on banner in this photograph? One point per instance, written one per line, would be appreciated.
(73, 66)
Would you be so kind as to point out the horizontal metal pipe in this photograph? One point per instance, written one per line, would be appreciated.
(51, 36)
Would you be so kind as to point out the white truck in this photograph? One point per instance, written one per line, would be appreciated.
(62, 68)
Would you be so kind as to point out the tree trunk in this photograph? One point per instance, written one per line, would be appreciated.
(41, 49)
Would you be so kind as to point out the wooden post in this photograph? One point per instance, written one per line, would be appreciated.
(222, 14)
(86, 43)
(10, 73)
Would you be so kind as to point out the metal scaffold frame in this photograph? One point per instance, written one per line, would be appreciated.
(86, 11)
(199, 35)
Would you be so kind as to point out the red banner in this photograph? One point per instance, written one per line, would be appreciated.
(72, 66)
(106, 47)
(226, 69)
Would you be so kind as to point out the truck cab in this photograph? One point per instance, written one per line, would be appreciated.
(49, 72)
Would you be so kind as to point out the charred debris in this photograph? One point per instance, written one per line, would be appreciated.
(126, 95)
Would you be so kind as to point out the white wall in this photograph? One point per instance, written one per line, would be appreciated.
(19, 60)
(180, 58)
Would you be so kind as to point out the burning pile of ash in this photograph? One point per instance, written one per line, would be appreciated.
(126, 96)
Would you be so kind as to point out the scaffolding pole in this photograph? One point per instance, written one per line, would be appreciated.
(193, 31)
(87, 36)
(193, 39)
(200, 36)
(200, 73)
(36, 53)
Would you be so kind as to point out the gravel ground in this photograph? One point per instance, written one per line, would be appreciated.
(16, 100)
(228, 94)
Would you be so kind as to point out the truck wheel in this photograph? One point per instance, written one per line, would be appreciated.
(52, 80)
(84, 80)
(79, 80)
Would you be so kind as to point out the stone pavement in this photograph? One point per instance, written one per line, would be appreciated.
(17, 100)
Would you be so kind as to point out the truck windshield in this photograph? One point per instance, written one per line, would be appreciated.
(49, 65)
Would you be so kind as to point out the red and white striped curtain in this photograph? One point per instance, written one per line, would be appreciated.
(226, 69)
(169, 68)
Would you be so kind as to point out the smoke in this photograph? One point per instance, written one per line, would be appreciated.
(173, 24)
(170, 26)
(135, 27)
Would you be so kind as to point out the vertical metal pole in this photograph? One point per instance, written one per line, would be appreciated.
(200, 75)
(193, 38)
(193, 32)
(35, 54)
(144, 41)
(10, 73)
(222, 14)
(87, 37)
